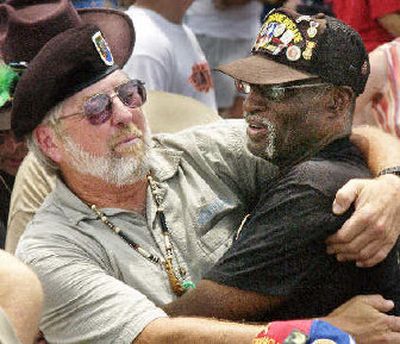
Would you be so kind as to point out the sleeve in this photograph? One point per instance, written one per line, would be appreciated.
(84, 303)
(281, 248)
(150, 70)
(381, 8)
(218, 151)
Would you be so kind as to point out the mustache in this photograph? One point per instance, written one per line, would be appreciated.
(255, 117)
(131, 130)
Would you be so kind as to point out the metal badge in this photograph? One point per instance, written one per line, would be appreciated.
(293, 53)
(312, 31)
(308, 52)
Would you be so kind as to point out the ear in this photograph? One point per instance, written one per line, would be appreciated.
(48, 142)
(339, 101)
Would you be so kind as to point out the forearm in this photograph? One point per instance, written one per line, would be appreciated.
(197, 331)
(380, 150)
(212, 300)
(20, 297)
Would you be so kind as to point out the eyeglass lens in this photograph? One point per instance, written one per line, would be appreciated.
(98, 108)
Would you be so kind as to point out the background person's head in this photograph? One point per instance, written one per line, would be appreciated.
(303, 77)
(12, 151)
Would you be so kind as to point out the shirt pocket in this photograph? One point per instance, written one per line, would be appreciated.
(217, 220)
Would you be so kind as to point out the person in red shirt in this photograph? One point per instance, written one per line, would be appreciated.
(377, 21)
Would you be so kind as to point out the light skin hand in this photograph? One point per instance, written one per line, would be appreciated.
(369, 235)
(354, 315)
(391, 22)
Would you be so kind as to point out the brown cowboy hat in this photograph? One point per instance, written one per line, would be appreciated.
(27, 25)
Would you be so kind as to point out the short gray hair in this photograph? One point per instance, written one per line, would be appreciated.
(51, 119)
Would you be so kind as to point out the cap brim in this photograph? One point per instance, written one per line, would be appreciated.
(263, 71)
(117, 29)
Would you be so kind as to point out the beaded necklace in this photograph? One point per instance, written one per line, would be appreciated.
(177, 281)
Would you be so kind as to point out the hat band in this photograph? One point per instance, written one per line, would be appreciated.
(88, 80)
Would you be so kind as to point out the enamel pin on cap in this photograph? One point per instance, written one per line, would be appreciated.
(103, 48)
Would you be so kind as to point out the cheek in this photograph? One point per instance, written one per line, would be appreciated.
(93, 139)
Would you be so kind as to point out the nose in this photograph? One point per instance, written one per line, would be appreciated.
(254, 103)
(122, 114)
(10, 144)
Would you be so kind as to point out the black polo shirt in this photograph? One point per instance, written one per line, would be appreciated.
(281, 251)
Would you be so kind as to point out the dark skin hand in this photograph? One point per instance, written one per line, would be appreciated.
(362, 316)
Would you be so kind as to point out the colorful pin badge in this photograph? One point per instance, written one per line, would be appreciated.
(102, 48)
(287, 37)
(293, 53)
(312, 30)
(279, 30)
(307, 53)
(303, 18)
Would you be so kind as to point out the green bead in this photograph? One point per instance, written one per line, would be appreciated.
(188, 285)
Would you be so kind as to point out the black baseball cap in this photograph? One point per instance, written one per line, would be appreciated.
(293, 47)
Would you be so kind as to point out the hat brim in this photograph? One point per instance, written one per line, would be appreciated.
(117, 29)
(262, 71)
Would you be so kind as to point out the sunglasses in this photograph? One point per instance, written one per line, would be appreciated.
(275, 93)
(97, 109)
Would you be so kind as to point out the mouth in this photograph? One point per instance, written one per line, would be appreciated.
(256, 126)
(127, 142)
(12, 163)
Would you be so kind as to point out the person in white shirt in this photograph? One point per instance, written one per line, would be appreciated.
(225, 31)
(167, 56)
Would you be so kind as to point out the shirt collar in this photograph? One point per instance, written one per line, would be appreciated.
(164, 164)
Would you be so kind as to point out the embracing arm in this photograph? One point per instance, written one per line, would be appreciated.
(371, 232)
(381, 150)
(211, 299)
(362, 316)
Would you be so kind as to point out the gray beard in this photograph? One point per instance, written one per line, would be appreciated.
(119, 171)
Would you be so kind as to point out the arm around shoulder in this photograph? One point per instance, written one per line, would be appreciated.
(381, 150)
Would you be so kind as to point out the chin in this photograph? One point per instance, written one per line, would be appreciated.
(261, 150)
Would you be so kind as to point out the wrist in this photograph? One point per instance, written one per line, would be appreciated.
(302, 332)
(395, 170)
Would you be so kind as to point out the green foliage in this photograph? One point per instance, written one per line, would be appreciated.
(8, 80)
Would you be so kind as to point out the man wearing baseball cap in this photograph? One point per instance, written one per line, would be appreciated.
(131, 224)
(303, 77)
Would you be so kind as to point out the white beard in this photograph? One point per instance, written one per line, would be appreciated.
(270, 148)
(115, 170)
